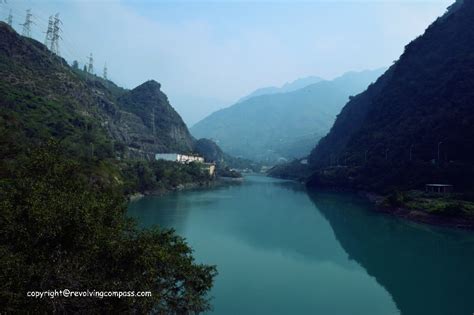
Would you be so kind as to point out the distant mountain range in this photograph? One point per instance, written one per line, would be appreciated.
(287, 122)
(415, 125)
(287, 87)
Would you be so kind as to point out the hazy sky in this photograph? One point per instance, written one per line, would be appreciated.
(208, 54)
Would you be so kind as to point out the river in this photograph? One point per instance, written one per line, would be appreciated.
(280, 249)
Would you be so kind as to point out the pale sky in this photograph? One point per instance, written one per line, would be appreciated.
(208, 54)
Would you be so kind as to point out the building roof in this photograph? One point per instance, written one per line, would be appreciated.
(439, 185)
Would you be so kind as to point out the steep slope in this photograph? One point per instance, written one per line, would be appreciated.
(284, 125)
(41, 96)
(166, 130)
(416, 123)
(287, 87)
(63, 202)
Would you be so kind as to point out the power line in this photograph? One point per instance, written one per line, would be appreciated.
(68, 47)
(27, 25)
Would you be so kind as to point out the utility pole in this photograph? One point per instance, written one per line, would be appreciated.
(27, 25)
(55, 37)
(49, 32)
(90, 65)
(105, 71)
(10, 19)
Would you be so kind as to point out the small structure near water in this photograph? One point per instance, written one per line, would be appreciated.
(186, 159)
(439, 188)
(181, 158)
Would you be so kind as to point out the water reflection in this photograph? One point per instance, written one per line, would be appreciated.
(287, 251)
(426, 270)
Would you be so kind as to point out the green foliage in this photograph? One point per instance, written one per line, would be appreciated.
(396, 199)
(389, 135)
(146, 176)
(444, 204)
(227, 172)
(63, 226)
(447, 205)
(62, 205)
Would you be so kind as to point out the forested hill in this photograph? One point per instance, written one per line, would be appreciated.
(72, 146)
(285, 125)
(45, 97)
(416, 123)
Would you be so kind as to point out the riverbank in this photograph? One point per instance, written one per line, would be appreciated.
(434, 209)
(220, 181)
(420, 214)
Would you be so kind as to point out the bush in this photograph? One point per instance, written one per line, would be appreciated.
(64, 227)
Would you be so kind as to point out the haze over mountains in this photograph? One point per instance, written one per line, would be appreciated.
(287, 87)
(286, 123)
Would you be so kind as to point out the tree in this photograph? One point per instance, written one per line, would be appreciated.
(63, 227)
(75, 65)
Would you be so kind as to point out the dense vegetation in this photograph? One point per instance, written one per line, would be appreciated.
(68, 161)
(278, 127)
(161, 176)
(415, 124)
(64, 227)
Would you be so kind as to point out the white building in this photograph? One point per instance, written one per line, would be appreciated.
(181, 158)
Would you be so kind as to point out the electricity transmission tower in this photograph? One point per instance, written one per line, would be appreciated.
(10, 19)
(55, 37)
(105, 71)
(27, 25)
(90, 65)
(49, 32)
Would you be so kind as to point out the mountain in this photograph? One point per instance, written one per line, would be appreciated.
(285, 125)
(415, 124)
(41, 91)
(167, 131)
(212, 152)
(287, 87)
(72, 146)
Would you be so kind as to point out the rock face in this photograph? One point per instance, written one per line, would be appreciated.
(420, 111)
(44, 96)
(153, 125)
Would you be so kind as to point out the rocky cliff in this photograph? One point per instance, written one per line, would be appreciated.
(43, 97)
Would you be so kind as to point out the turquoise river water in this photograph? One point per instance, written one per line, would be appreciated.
(280, 249)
